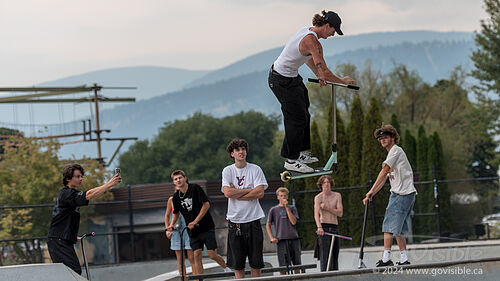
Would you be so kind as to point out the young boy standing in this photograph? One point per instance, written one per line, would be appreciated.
(284, 218)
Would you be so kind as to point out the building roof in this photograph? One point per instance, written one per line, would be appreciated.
(156, 195)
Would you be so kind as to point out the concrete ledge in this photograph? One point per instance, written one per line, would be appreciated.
(39, 272)
(481, 269)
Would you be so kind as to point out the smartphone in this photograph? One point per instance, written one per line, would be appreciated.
(117, 170)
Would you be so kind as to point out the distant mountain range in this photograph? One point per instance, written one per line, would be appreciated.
(166, 94)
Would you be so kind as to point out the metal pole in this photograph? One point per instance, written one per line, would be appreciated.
(98, 127)
(374, 216)
(84, 131)
(334, 119)
(85, 259)
(181, 233)
(361, 264)
(131, 223)
(292, 191)
(436, 200)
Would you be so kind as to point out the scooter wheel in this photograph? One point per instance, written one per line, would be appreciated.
(335, 168)
(285, 176)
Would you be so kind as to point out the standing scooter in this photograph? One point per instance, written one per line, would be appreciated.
(83, 252)
(361, 248)
(182, 252)
(332, 165)
(332, 243)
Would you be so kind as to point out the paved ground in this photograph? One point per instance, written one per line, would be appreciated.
(421, 255)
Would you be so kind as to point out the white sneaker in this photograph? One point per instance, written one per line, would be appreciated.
(298, 166)
(305, 157)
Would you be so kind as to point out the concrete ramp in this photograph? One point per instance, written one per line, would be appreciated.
(472, 270)
(39, 272)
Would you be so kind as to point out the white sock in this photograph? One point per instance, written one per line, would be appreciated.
(227, 269)
(291, 161)
(404, 256)
(387, 256)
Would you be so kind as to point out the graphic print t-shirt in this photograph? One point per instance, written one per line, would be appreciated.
(251, 176)
(401, 174)
(189, 204)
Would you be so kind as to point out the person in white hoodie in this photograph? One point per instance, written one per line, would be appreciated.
(397, 218)
(287, 85)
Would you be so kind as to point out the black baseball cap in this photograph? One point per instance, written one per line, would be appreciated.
(334, 20)
(383, 134)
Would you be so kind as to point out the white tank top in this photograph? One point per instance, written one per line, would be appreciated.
(291, 59)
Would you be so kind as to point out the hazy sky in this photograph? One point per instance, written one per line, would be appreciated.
(44, 40)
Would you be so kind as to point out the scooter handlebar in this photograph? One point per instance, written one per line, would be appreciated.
(87, 234)
(348, 86)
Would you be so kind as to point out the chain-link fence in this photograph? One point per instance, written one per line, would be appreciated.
(129, 235)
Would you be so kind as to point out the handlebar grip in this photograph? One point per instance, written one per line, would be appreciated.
(348, 86)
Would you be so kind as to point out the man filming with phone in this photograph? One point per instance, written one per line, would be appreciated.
(65, 222)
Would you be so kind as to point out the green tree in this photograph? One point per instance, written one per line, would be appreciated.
(355, 142)
(423, 225)
(5, 133)
(436, 161)
(486, 57)
(395, 124)
(31, 173)
(410, 147)
(372, 158)
(197, 145)
(308, 230)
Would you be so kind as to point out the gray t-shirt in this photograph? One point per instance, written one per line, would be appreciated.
(283, 226)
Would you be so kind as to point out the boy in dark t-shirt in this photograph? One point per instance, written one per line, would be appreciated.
(284, 218)
(65, 222)
(192, 202)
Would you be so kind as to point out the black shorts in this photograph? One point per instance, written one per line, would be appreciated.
(63, 251)
(289, 252)
(206, 238)
(245, 240)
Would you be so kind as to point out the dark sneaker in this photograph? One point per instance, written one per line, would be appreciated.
(403, 263)
(380, 263)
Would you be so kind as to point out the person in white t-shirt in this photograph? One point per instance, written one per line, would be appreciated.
(243, 184)
(397, 218)
(287, 85)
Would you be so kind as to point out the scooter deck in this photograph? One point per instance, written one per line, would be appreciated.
(292, 175)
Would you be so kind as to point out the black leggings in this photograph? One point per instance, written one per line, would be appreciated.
(324, 247)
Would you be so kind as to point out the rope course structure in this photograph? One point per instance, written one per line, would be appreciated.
(64, 129)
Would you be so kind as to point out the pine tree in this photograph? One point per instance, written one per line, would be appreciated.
(410, 148)
(425, 201)
(353, 200)
(355, 142)
(372, 157)
(486, 57)
(305, 201)
(317, 144)
(436, 161)
(341, 178)
(395, 124)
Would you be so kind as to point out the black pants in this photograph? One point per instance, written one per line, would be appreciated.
(245, 240)
(63, 251)
(324, 248)
(294, 99)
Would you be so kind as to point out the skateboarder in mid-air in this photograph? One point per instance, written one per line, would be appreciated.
(287, 86)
